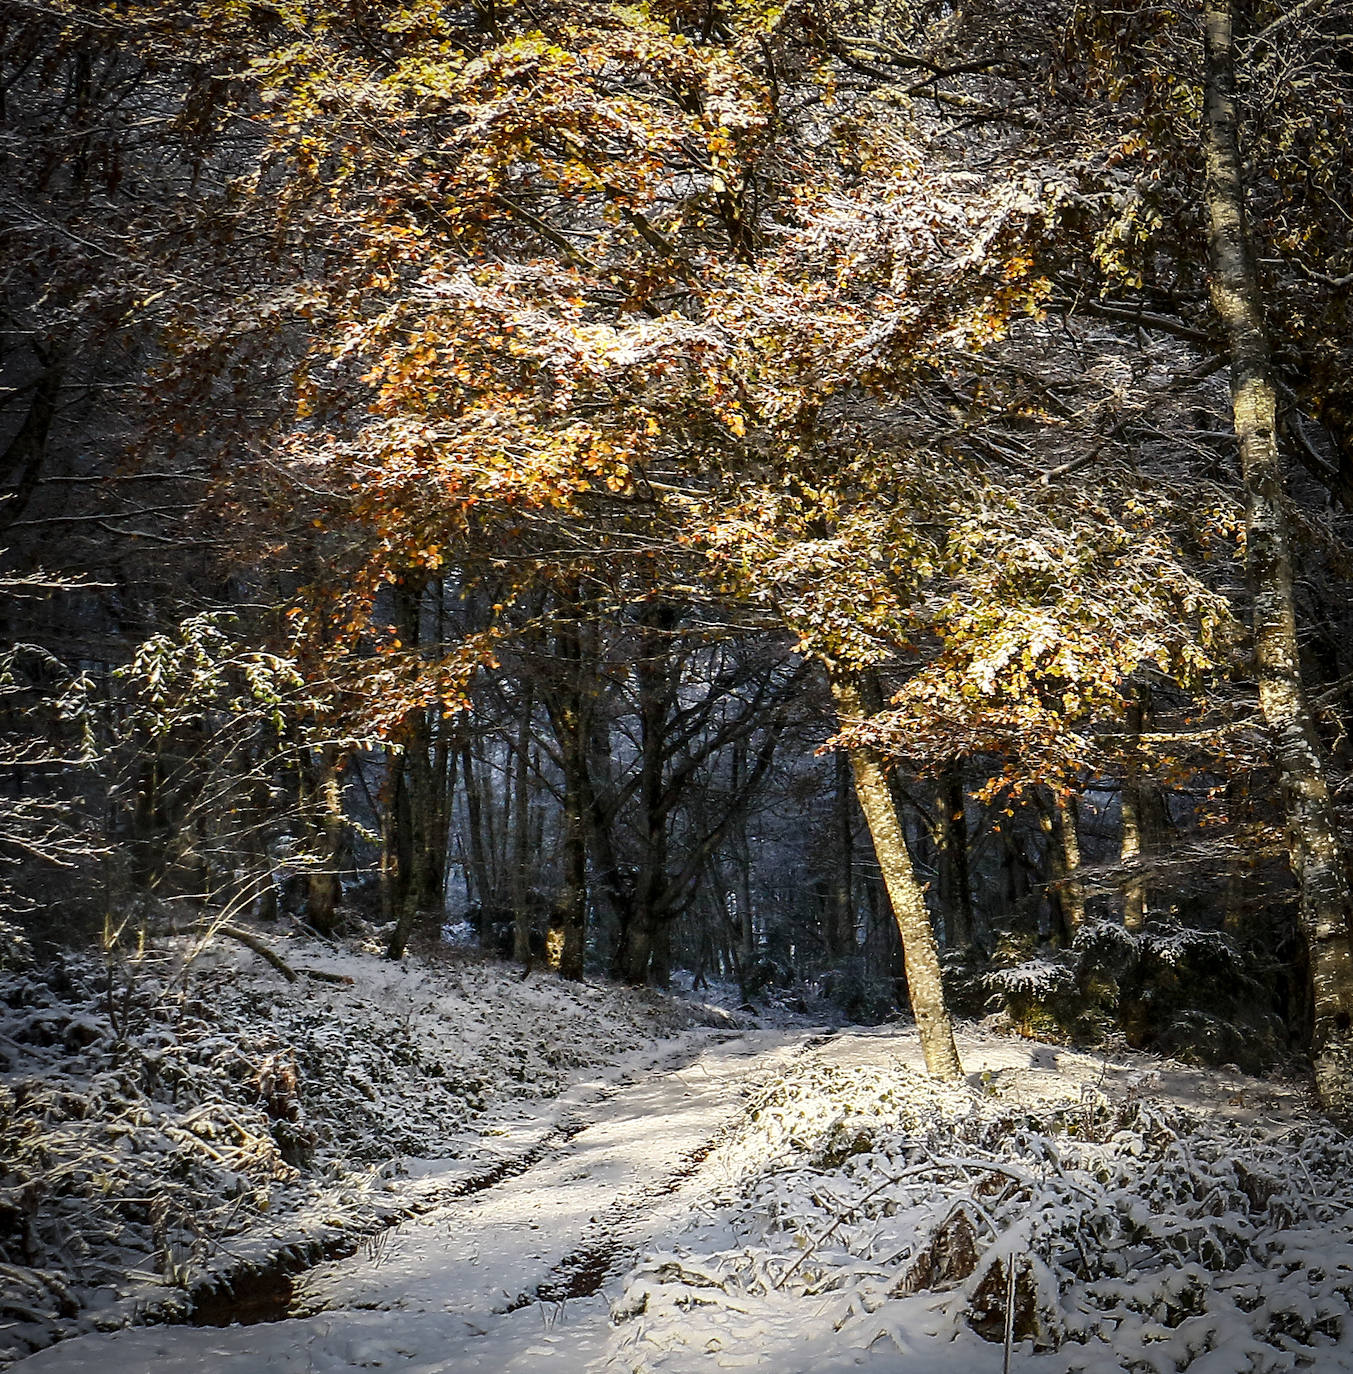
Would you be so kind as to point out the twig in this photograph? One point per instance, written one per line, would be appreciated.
(831, 1230)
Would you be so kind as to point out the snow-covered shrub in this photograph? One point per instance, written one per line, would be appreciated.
(1193, 993)
(892, 1208)
(1038, 989)
(134, 1132)
(152, 1113)
(1203, 997)
(1039, 994)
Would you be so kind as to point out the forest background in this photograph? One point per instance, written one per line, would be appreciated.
(726, 487)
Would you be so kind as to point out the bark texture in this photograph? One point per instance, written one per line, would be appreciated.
(324, 888)
(1317, 861)
(919, 947)
(1067, 833)
(567, 707)
(840, 915)
(1130, 843)
(1057, 819)
(521, 835)
(420, 872)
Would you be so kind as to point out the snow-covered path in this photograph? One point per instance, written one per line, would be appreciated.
(507, 1278)
(720, 1166)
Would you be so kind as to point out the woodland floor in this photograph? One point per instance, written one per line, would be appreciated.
(796, 1198)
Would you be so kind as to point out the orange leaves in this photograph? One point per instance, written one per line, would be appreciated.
(401, 682)
(582, 274)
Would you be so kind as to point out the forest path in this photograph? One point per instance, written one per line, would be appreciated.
(506, 1279)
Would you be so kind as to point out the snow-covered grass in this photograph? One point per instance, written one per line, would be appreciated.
(163, 1122)
(1150, 1221)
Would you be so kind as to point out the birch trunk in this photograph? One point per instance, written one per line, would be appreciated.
(1317, 861)
(919, 948)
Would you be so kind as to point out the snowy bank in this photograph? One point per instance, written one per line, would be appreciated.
(176, 1136)
(1098, 1216)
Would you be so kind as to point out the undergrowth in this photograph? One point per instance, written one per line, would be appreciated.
(887, 1210)
(152, 1114)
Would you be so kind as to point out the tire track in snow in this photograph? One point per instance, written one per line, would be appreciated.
(603, 1248)
(251, 1291)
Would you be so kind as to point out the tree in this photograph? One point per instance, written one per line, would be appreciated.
(601, 390)
(1318, 860)
(904, 893)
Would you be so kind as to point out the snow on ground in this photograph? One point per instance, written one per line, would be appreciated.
(794, 1201)
(483, 1284)
(1152, 1219)
(169, 1125)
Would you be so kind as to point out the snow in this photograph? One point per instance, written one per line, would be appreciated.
(788, 1199)
(170, 1125)
(1147, 1233)
(455, 1289)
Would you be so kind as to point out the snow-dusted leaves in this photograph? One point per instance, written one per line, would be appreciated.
(887, 1210)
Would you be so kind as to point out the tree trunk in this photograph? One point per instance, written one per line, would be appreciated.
(749, 950)
(1325, 904)
(25, 454)
(147, 847)
(521, 852)
(656, 692)
(660, 960)
(569, 717)
(599, 804)
(1057, 818)
(484, 895)
(391, 870)
(638, 947)
(420, 885)
(920, 951)
(442, 784)
(323, 886)
(840, 912)
(1067, 834)
(417, 887)
(1132, 831)
(261, 812)
(728, 941)
(952, 857)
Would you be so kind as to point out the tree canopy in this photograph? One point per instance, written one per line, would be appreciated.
(435, 428)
